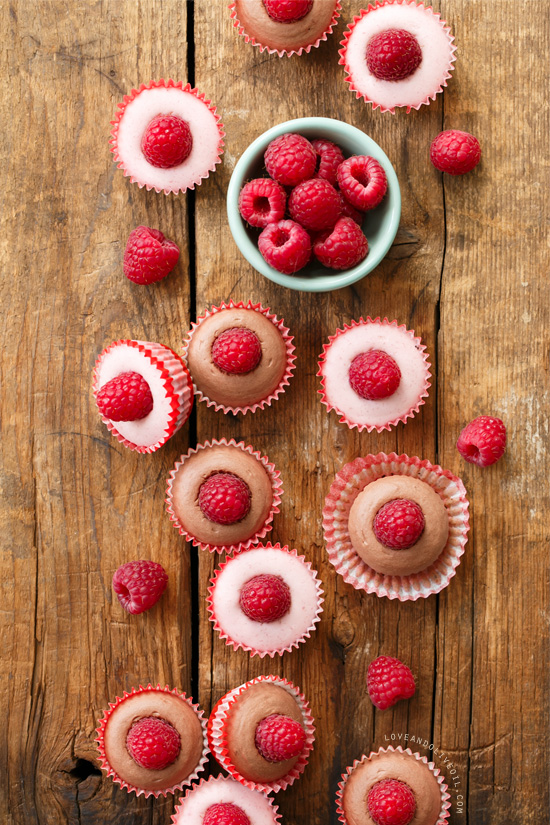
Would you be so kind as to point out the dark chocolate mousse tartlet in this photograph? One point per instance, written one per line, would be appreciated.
(240, 357)
(222, 495)
(152, 741)
(397, 780)
(262, 733)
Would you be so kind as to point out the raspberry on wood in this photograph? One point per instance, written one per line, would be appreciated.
(167, 141)
(482, 441)
(224, 498)
(265, 598)
(139, 584)
(153, 743)
(279, 737)
(286, 246)
(126, 397)
(262, 201)
(362, 181)
(391, 802)
(237, 351)
(399, 524)
(149, 256)
(225, 813)
(374, 375)
(455, 152)
(290, 159)
(388, 681)
(393, 54)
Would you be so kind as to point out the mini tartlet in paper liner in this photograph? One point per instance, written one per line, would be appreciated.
(406, 339)
(170, 384)
(266, 631)
(288, 340)
(429, 89)
(139, 108)
(443, 787)
(349, 482)
(224, 789)
(100, 740)
(217, 737)
(287, 51)
(276, 486)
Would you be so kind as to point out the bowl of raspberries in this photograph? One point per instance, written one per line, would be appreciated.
(314, 204)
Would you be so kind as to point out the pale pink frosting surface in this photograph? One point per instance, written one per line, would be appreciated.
(390, 339)
(256, 805)
(204, 129)
(429, 76)
(271, 635)
(152, 428)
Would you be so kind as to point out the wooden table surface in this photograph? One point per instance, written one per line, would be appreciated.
(468, 271)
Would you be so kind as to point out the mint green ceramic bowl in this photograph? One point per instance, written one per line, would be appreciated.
(379, 225)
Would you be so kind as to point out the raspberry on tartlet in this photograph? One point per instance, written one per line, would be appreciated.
(240, 356)
(221, 800)
(265, 600)
(285, 27)
(128, 375)
(167, 136)
(152, 741)
(397, 53)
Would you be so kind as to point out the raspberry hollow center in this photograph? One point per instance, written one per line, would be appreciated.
(265, 598)
(225, 813)
(279, 737)
(391, 802)
(394, 54)
(153, 743)
(224, 498)
(237, 351)
(399, 524)
(167, 141)
(374, 375)
(287, 11)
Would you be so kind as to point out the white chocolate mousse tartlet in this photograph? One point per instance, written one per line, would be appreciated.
(374, 374)
(221, 798)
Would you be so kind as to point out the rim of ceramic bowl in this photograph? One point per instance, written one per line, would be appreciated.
(340, 132)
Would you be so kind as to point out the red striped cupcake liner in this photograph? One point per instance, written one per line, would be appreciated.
(350, 481)
(276, 485)
(254, 651)
(286, 336)
(176, 382)
(443, 787)
(217, 735)
(100, 740)
(122, 163)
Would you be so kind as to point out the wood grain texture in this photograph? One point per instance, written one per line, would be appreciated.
(468, 271)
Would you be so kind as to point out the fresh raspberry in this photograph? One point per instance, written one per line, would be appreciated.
(287, 11)
(149, 256)
(167, 141)
(315, 204)
(455, 152)
(290, 159)
(224, 498)
(399, 524)
(330, 157)
(341, 247)
(391, 802)
(225, 813)
(262, 201)
(127, 397)
(139, 584)
(153, 743)
(362, 181)
(393, 54)
(482, 441)
(388, 681)
(285, 246)
(279, 737)
(237, 351)
(349, 211)
(374, 374)
(265, 598)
